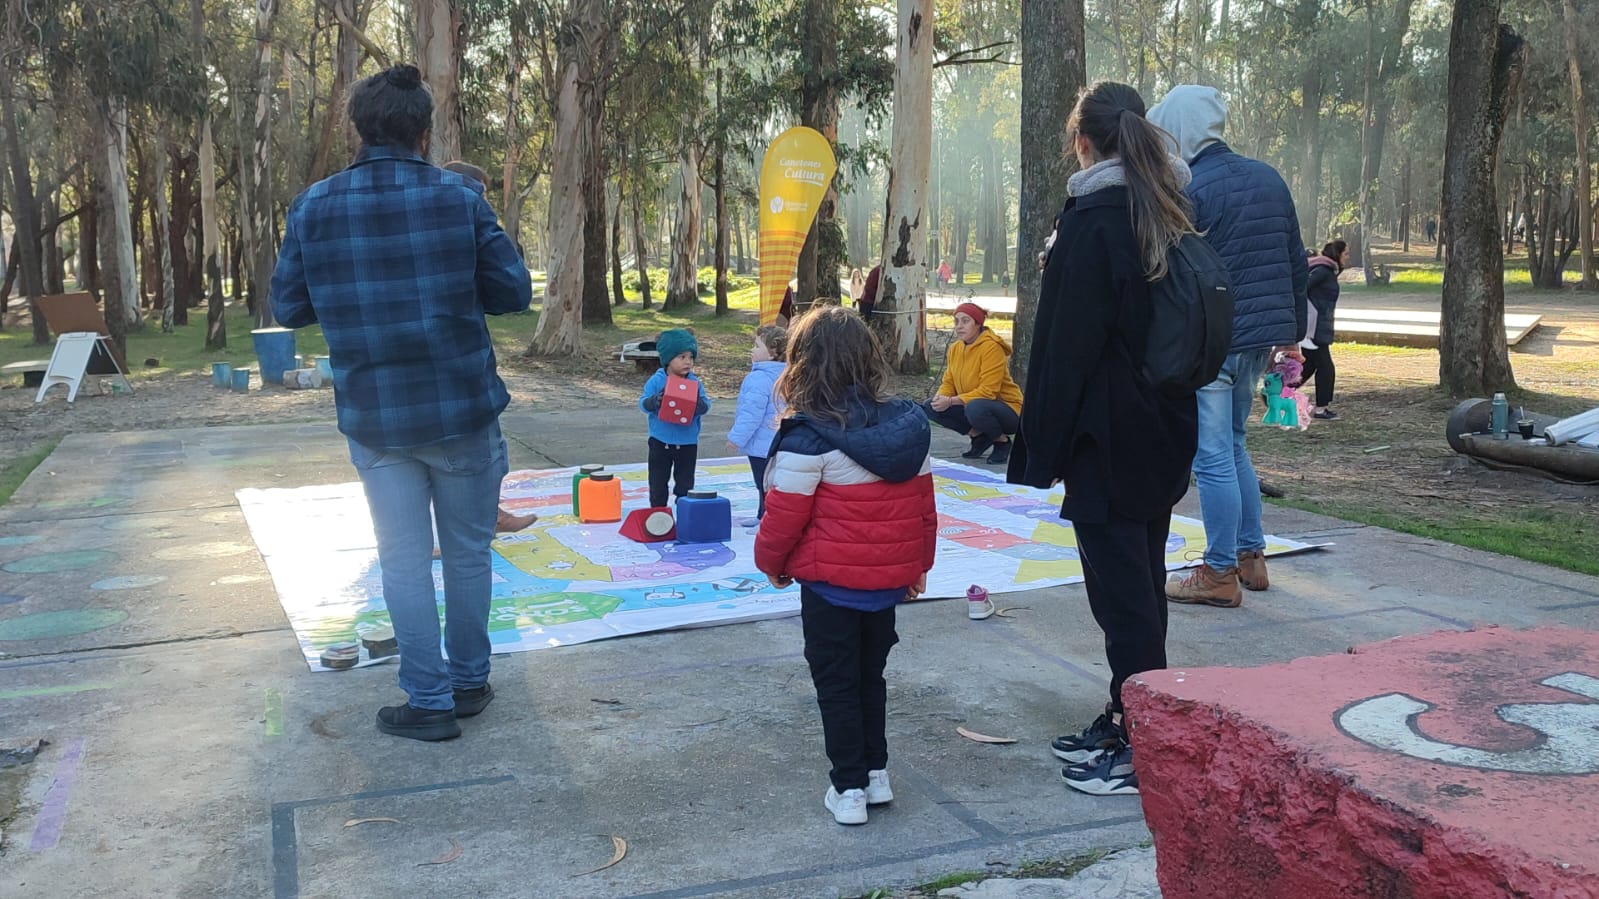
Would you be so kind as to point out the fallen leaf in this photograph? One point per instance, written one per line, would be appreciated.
(353, 822)
(982, 738)
(446, 858)
(620, 847)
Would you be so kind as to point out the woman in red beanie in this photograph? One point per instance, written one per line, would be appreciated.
(978, 397)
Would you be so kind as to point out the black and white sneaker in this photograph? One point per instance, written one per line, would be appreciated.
(1095, 740)
(1111, 775)
(980, 445)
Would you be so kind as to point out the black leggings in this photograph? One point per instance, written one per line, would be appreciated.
(1319, 362)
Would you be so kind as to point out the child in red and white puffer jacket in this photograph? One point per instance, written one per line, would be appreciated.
(850, 515)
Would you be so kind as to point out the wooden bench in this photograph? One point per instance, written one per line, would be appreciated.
(32, 371)
(645, 360)
(1400, 327)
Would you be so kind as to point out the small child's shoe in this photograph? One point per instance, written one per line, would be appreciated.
(978, 605)
(877, 789)
(848, 807)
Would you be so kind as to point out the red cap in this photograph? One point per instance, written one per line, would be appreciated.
(973, 311)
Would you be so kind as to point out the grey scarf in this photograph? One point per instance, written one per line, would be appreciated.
(1109, 173)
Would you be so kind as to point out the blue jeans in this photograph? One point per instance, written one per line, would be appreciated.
(457, 483)
(1229, 491)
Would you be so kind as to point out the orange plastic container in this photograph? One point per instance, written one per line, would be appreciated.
(599, 498)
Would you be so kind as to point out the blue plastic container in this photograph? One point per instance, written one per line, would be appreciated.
(241, 380)
(221, 374)
(325, 366)
(274, 349)
(704, 517)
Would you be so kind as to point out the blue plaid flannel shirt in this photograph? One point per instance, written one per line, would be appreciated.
(399, 260)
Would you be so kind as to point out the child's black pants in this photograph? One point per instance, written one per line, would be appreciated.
(847, 650)
(674, 465)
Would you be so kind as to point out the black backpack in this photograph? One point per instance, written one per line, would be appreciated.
(1191, 320)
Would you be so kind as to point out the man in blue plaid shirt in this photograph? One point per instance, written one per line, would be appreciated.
(399, 262)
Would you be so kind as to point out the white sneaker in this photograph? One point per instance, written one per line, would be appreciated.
(848, 807)
(877, 789)
(978, 609)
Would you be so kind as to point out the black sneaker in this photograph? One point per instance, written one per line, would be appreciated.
(980, 445)
(408, 721)
(1001, 454)
(1325, 415)
(471, 700)
(1111, 775)
(1095, 740)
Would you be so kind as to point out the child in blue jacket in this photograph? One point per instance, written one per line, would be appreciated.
(759, 407)
(674, 448)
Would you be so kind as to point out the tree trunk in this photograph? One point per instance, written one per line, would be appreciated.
(738, 234)
(263, 254)
(616, 249)
(641, 250)
(560, 328)
(179, 219)
(438, 55)
(963, 227)
(1579, 112)
(1404, 204)
(1382, 59)
(24, 211)
(1485, 59)
(682, 288)
(721, 205)
(1053, 71)
(596, 258)
(89, 241)
(163, 237)
(55, 279)
(216, 326)
(121, 286)
(900, 317)
(346, 59)
(1310, 97)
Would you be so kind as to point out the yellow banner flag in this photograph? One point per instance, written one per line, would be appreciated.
(795, 177)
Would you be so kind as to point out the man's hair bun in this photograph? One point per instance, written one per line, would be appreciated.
(404, 76)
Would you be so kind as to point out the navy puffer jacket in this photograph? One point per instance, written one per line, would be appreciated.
(1247, 215)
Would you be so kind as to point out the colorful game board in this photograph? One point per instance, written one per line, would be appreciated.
(562, 582)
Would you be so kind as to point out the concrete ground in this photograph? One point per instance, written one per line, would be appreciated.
(192, 753)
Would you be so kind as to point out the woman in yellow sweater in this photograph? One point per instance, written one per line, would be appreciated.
(978, 397)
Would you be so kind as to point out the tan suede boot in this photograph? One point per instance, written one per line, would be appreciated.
(1207, 586)
(1252, 570)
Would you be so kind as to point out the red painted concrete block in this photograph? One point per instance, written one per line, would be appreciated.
(1445, 766)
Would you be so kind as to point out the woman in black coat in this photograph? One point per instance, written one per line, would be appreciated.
(1089, 417)
(1317, 348)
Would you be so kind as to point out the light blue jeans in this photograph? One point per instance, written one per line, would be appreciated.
(1229, 491)
(457, 483)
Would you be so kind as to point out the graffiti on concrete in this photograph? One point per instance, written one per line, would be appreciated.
(1568, 731)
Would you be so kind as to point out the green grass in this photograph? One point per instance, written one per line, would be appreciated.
(182, 351)
(1563, 539)
(13, 472)
(1428, 277)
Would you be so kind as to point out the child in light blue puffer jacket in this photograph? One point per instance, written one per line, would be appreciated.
(759, 407)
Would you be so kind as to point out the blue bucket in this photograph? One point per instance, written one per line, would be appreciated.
(221, 374)
(241, 380)
(325, 366)
(274, 349)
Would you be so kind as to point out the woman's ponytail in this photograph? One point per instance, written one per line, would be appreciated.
(1111, 116)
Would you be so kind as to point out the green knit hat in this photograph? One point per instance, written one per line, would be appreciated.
(674, 343)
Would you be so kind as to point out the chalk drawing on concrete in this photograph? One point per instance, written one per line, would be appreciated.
(60, 623)
(53, 563)
(20, 540)
(1569, 731)
(127, 582)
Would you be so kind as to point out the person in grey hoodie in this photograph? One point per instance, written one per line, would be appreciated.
(1246, 213)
